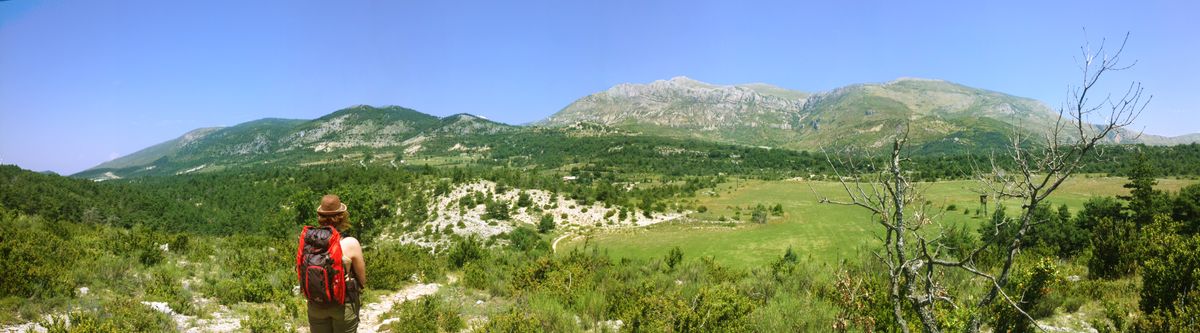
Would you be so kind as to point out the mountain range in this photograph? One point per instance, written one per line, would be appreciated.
(940, 117)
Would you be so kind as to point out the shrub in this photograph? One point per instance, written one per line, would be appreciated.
(120, 315)
(1170, 269)
(515, 321)
(265, 320)
(1033, 286)
(674, 257)
(391, 266)
(759, 215)
(1096, 209)
(496, 210)
(484, 275)
(253, 269)
(428, 314)
(1113, 249)
(523, 200)
(790, 313)
(37, 263)
(464, 251)
(1186, 208)
(525, 239)
(550, 314)
(180, 244)
(1058, 232)
(546, 224)
(719, 308)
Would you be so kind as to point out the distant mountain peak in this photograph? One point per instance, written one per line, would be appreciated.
(686, 105)
(916, 79)
(465, 117)
(687, 81)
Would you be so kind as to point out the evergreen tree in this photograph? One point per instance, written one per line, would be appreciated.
(1143, 200)
(496, 210)
(546, 224)
(523, 199)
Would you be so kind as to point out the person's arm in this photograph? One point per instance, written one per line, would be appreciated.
(354, 250)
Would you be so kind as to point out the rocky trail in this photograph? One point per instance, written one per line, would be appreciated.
(371, 313)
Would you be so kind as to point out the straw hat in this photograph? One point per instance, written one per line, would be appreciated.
(331, 205)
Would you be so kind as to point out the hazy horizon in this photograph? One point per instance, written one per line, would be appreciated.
(84, 82)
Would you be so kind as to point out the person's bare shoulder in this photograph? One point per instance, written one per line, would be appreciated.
(349, 243)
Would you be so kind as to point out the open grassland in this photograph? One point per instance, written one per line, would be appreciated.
(822, 232)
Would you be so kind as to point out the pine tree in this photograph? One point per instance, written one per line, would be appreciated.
(1144, 200)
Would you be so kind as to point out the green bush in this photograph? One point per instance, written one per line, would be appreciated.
(674, 257)
(37, 262)
(120, 315)
(1055, 232)
(484, 275)
(1097, 209)
(787, 312)
(253, 269)
(525, 239)
(1170, 268)
(181, 244)
(265, 320)
(391, 266)
(428, 314)
(464, 251)
(546, 224)
(1186, 208)
(513, 321)
(1032, 285)
(496, 210)
(1114, 249)
(759, 215)
(550, 314)
(1180, 318)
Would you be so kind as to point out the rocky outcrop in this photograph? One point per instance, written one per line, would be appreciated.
(685, 104)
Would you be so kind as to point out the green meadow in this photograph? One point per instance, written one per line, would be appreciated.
(821, 232)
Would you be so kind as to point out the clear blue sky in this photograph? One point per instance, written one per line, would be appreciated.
(82, 82)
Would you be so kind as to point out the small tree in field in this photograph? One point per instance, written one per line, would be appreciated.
(759, 215)
(546, 224)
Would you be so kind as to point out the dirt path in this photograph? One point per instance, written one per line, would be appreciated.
(369, 317)
(554, 245)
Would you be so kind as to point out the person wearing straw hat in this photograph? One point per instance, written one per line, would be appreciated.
(342, 318)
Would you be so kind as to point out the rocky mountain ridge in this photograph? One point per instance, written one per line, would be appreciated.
(940, 115)
(391, 129)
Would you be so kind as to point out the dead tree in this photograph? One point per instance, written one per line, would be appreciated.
(1040, 163)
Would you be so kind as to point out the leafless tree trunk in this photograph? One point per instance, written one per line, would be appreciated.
(913, 257)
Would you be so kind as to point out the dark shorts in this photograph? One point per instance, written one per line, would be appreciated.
(341, 318)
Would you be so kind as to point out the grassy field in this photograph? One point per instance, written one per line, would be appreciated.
(823, 232)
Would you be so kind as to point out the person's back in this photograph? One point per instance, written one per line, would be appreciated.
(342, 317)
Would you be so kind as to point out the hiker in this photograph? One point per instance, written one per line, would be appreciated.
(331, 270)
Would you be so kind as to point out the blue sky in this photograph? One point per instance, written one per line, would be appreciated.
(82, 82)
